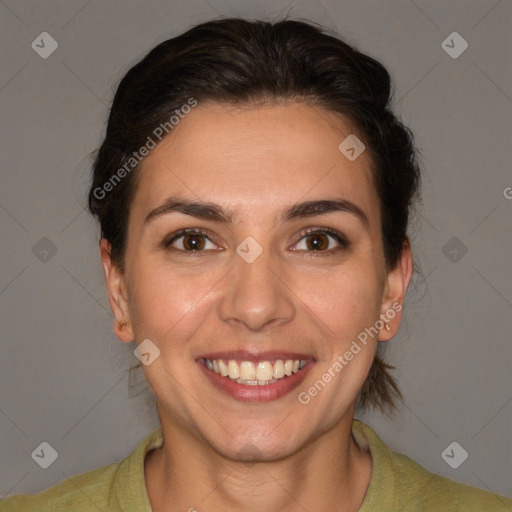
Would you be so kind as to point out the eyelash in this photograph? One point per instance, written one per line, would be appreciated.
(339, 237)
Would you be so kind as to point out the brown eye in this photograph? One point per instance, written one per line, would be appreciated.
(322, 240)
(193, 242)
(318, 241)
(189, 240)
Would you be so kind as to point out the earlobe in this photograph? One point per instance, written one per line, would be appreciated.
(397, 282)
(115, 281)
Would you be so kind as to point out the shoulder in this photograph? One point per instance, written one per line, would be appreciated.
(399, 483)
(116, 487)
(87, 491)
(433, 492)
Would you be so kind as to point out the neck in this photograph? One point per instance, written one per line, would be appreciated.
(329, 473)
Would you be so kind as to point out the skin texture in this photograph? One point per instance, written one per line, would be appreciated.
(255, 162)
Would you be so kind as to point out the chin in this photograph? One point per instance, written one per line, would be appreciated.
(262, 443)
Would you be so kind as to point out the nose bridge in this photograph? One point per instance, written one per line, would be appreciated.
(255, 295)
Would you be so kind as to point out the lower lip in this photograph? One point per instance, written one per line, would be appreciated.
(264, 393)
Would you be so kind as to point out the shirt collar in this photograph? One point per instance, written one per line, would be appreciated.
(129, 484)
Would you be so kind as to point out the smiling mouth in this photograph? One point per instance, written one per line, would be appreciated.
(258, 373)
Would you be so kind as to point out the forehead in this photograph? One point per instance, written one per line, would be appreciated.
(258, 158)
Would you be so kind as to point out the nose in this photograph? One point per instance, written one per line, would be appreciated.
(258, 295)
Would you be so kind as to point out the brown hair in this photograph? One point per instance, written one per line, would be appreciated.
(238, 62)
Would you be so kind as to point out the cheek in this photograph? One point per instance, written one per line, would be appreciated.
(167, 305)
(346, 300)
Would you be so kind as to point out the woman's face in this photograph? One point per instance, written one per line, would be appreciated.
(257, 289)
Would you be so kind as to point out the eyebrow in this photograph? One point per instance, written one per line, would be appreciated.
(214, 212)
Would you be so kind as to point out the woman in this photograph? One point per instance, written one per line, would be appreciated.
(253, 191)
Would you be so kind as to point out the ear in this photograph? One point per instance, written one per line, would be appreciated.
(397, 282)
(117, 296)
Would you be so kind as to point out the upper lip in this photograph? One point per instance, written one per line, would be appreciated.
(250, 355)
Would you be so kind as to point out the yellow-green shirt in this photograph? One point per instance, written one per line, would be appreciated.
(397, 483)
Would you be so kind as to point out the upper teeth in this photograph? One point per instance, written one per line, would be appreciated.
(248, 372)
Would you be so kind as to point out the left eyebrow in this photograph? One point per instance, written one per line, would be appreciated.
(214, 212)
(323, 207)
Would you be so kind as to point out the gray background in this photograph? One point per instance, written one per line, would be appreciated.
(63, 374)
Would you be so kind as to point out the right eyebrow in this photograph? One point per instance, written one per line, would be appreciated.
(199, 209)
